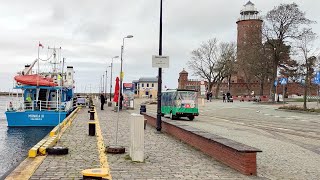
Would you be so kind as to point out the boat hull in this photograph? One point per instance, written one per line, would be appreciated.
(34, 118)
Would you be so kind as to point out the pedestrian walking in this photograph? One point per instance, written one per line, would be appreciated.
(121, 99)
(210, 96)
(102, 100)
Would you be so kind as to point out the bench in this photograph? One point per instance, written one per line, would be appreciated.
(234, 154)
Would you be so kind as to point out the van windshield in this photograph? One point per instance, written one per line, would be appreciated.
(186, 95)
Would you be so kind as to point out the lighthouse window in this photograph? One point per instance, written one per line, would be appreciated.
(69, 73)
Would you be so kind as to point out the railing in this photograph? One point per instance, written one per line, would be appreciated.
(38, 106)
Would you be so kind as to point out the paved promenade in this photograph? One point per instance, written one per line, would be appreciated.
(83, 153)
(166, 157)
(290, 141)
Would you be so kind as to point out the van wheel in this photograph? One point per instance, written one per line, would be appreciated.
(191, 118)
(172, 117)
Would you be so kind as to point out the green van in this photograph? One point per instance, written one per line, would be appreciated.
(179, 103)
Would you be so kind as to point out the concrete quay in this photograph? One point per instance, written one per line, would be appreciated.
(165, 156)
(83, 153)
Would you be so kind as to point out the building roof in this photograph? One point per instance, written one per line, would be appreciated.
(249, 3)
(148, 79)
(183, 72)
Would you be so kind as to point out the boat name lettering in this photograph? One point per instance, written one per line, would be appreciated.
(35, 116)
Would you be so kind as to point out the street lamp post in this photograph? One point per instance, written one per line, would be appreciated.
(121, 78)
(105, 87)
(159, 74)
(111, 75)
(102, 84)
(121, 73)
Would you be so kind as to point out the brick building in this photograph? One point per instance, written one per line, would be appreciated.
(249, 39)
(185, 83)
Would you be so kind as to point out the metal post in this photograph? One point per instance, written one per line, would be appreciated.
(111, 79)
(121, 74)
(105, 86)
(318, 96)
(277, 92)
(159, 74)
(283, 93)
(102, 84)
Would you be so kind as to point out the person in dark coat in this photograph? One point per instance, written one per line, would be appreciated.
(102, 100)
(121, 99)
(228, 96)
(223, 97)
(208, 96)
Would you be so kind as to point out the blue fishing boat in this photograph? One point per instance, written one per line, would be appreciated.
(45, 98)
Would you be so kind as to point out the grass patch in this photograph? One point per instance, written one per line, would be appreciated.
(301, 100)
(298, 108)
(127, 157)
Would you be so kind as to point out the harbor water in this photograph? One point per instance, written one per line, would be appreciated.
(15, 142)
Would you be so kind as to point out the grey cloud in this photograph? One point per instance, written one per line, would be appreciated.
(91, 32)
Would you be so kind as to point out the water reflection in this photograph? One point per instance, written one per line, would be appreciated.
(15, 142)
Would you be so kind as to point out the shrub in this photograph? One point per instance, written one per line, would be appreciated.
(297, 108)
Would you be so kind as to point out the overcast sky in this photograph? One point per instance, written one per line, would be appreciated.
(90, 32)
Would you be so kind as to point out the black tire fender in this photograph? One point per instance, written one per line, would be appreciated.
(57, 150)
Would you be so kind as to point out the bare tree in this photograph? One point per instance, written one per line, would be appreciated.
(213, 61)
(305, 45)
(283, 23)
(225, 65)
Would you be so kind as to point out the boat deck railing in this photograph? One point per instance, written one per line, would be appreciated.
(38, 106)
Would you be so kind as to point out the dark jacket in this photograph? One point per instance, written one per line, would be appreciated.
(102, 99)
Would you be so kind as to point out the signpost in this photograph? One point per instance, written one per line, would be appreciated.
(283, 82)
(160, 62)
(276, 95)
(316, 81)
(202, 92)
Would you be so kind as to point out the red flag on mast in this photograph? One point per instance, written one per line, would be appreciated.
(40, 45)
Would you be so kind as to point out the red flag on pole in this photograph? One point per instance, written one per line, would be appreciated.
(40, 45)
(116, 90)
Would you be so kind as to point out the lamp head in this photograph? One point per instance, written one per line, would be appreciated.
(116, 57)
(129, 36)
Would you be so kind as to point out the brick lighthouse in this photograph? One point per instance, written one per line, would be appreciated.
(249, 38)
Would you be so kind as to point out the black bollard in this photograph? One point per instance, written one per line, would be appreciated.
(92, 107)
(91, 115)
(92, 128)
(143, 108)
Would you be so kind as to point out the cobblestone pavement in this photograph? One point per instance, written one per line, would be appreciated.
(83, 153)
(166, 157)
(290, 141)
